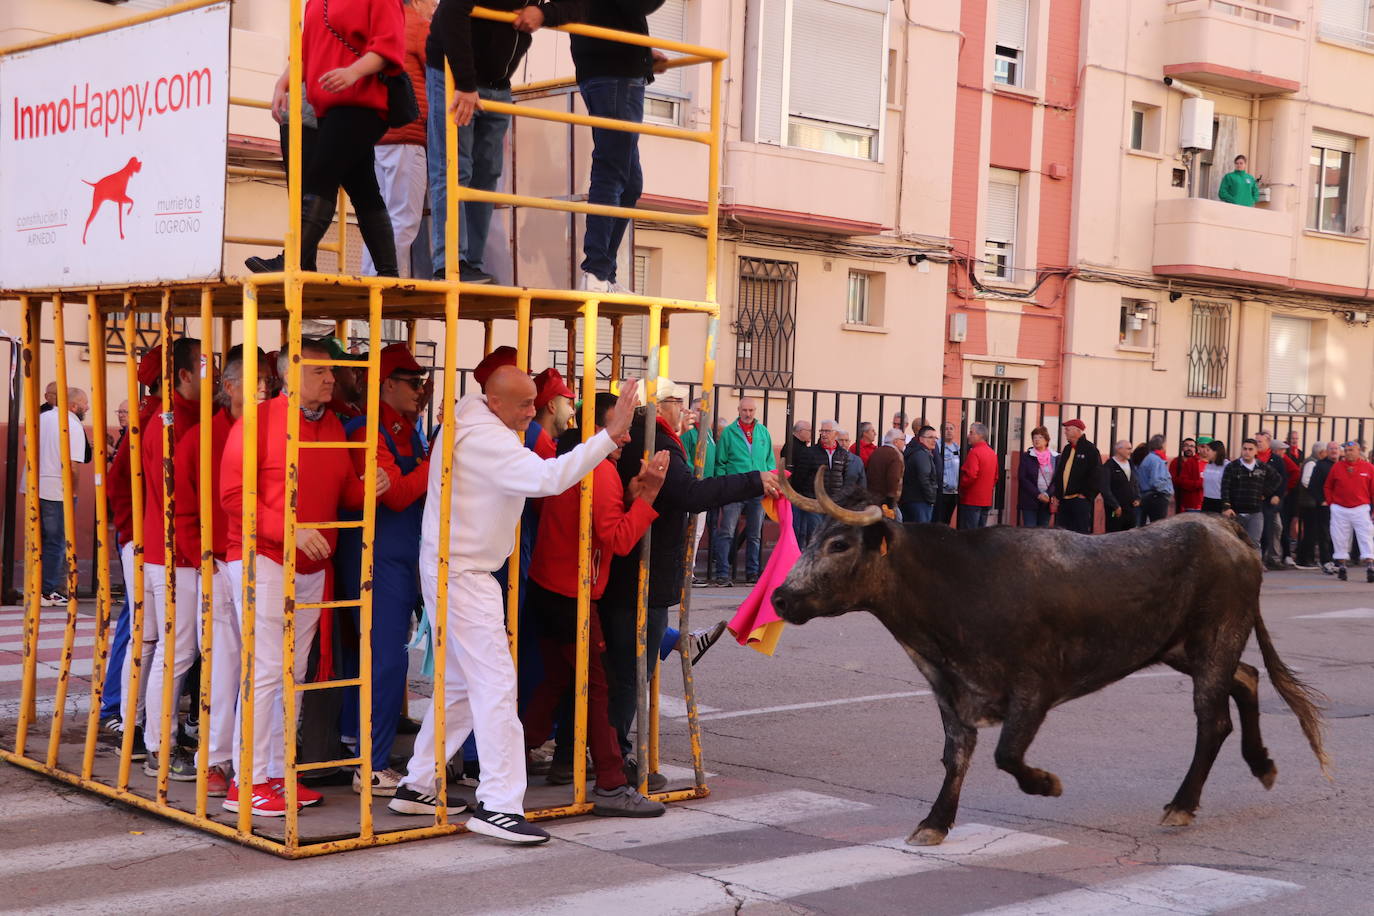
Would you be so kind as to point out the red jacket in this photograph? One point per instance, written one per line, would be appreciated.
(1187, 475)
(185, 414)
(977, 475)
(1350, 484)
(367, 25)
(120, 481)
(327, 481)
(417, 33)
(405, 488)
(544, 446)
(864, 450)
(614, 531)
(188, 492)
(1293, 471)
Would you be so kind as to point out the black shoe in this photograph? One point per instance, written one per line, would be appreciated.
(408, 801)
(698, 641)
(407, 726)
(379, 237)
(266, 265)
(624, 801)
(140, 751)
(560, 772)
(751, 580)
(181, 768)
(657, 781)
(1341, 573)
(699, 581)
(469, 274)
(1369, 574)
(112, 729)
(512, 828)
(723, 583)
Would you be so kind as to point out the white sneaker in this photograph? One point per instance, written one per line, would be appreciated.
(594, 284)
(384, 782)
(1290, 562)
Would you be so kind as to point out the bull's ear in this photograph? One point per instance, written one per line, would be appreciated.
(878, 537)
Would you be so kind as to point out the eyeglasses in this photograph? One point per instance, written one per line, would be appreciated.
(416, 382)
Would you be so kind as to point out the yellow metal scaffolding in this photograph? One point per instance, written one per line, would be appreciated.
(71, 754)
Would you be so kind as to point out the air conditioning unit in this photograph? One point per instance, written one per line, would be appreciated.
(1195, 128)
(958, 327)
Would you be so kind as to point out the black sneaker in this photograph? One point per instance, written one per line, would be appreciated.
(140, 749)
(512, 828)
(181, 768)
(469, 274)
(1369, 574)
(722, 583)
(657, 781)
(112, 730)
(624, 801)
(266, 265)
(1341, 573)
(698, 641)
(560, 772)
(408, 801)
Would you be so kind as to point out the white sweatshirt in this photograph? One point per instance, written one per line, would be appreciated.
(493, 474)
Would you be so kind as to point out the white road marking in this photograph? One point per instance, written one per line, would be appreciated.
(121, 847)
(82, 624)
(679, 774)
(80, 642)
(1354, 613)
(972, 840)
(818, 704)
(685, 822)
(677, 895)
(671, 707)
(1173, 889)
(81, 667)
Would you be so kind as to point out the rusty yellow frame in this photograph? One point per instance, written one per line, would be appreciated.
(293, 280)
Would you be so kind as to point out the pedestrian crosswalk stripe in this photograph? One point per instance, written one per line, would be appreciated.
(710, 818)
(967, 840)
(671, 707)
(98, 851)
(80, 667)
(1354, 613)
(83, 624)
(80, 642)
(1172, 889)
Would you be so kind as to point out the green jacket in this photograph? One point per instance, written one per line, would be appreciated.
(689, 443)
(734, 455)
(1239, 188)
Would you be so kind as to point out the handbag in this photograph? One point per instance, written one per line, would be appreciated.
(402, 107)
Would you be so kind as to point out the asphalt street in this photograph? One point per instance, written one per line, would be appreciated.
(825, 757)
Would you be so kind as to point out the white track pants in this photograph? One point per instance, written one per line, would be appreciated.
(129, 711)
(269, 735)
(226, 649)
(1344, 523)
(479, 693)
(185, 642)
(401, 175)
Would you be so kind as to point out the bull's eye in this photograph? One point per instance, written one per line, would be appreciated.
(838, 545)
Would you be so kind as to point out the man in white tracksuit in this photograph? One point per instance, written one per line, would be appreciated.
(493, 474)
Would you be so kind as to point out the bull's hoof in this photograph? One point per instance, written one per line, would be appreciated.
(1268, 776)
(1040, 782)
(926, 836)
(1176, 817)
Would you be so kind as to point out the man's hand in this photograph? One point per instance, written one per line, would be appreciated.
(647, 483)
(1043, 497)
(313, 544)
(1229, 513)
(660, 61)
(1273, 500)
(281, 102)
(770, 483)
(1135, 503)
(619, 417)
(1116, 513)
(529, 19)
(340, 79)
(465, 105)
(383, 482)
(1054, 504)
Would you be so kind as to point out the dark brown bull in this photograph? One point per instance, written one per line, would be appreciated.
(1007, 623)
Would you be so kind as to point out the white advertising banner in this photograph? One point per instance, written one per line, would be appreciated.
(112, 155)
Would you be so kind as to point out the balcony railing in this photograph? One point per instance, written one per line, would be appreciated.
(1310, 404)
(1358, 37)
(1254, 12)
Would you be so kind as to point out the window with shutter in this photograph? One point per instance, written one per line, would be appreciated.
(1347, 20)
(1290, 343)
(1009, 50)
(664, 96)
(836, 107)
(1331, 164)
(999, 223)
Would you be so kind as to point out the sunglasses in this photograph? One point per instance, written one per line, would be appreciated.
(416, 382)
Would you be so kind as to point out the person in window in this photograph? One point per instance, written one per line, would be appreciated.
(1239, 187)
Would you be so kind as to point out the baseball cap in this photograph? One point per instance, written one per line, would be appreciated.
(397, 358)
(549, 384)
(150, 366)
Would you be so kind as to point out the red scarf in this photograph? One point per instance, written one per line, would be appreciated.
(665, 430)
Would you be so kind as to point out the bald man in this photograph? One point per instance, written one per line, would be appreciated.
(493, 475)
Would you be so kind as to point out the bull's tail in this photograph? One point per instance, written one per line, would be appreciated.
(1305, 700)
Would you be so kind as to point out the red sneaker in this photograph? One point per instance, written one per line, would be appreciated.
(266, 801)
(305, 796)
(217, 782)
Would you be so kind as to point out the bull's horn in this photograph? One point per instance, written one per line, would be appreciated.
(857, 517)
(805, 503)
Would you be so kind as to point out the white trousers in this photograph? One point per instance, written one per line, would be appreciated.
(479, 693)
(401, 175)
(226, 650)
(269, 733)
(129, 710)
(185, 643)
(1344, 523)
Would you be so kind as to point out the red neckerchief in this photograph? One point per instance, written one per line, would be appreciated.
(748, 433)
(1160, 453)
(666, 430)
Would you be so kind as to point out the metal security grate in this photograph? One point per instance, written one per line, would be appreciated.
(765, 323)
(147, 333)
(1209, 349)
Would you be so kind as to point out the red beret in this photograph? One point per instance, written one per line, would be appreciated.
(397, 358)
(549, 384)
(1075, 423)
(501, 356)
(150, 366)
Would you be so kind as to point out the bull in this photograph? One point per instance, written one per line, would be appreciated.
(987, 618)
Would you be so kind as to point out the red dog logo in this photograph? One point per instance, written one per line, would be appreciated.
(114, 188)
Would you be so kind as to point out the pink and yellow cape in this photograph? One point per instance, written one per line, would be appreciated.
(756, 624)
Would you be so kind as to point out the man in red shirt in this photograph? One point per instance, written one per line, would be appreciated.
(225, 589)
(553, 407)
(328, 481)
(552, 602)
(161, 572)
(977, 478)
(1186, 472)
(1350, 492)
(403, 458)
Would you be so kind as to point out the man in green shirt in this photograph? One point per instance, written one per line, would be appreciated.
(1239, 187)
(744, 446)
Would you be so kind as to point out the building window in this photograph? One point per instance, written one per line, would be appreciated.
(836, 108)
(665, 97)
(147, 333)
(765, 323)
(1009, 52)
(865, 301)
(1290, 354)
(1209, 349)
(1329, 170)
(1000, 218)
(1145, 127)
(1346, 20)
(1137, 324)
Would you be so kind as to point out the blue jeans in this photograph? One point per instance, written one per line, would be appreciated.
(616, 179)
(918, 512)
(972, 516)
(723, 539)
(481, 153)
(54, 546)
(113, 690)
(805, 524)
(1037, 516)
